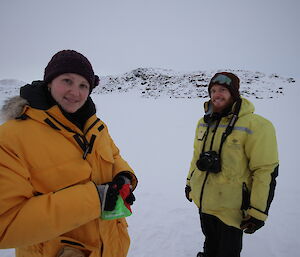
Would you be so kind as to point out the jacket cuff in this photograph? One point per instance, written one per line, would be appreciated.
(131, 176)
(257, 214)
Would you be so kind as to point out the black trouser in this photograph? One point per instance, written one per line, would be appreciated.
(221, 240)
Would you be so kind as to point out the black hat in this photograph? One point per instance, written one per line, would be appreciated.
(70, 61)
(228, 80)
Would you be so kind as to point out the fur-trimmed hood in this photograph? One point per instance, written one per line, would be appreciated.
(13, 108)
(37, 96)
(34, 95)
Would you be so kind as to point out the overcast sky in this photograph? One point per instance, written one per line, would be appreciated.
(120, 35)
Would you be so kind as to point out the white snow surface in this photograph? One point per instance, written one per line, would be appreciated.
(155, 134)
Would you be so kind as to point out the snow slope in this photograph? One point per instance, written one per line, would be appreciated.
(155, 135)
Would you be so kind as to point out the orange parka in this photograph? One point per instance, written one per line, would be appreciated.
(48, 172)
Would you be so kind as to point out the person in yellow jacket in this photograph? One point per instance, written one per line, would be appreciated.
(233, 171)
(60, 169)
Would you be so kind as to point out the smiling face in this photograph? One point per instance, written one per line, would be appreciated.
(70, 91)
(220, 97)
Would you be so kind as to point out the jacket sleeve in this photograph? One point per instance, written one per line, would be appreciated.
(27, 218)
(196, 153)
(120, 165)
(261, 150)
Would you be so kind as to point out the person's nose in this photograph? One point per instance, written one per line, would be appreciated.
(75, 91)
(217, 93)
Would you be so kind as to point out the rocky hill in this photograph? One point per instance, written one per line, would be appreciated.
(149, 82)
(156, 83)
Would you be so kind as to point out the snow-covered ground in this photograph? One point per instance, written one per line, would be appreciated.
(155, 135)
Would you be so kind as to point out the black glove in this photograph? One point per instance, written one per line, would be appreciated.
(187, 192)
(108, 194)
(130, 198)
(119, 181)
(251, 224)
(122, 179)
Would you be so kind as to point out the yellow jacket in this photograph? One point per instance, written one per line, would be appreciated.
(249, 162)
(48, 196)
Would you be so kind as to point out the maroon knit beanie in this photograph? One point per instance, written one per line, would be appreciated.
(228, 80)
(70, 61)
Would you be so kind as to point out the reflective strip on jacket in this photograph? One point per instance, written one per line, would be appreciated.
(48, 196)
(249, 157)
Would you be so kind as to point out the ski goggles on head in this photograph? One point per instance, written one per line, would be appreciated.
(221, 79)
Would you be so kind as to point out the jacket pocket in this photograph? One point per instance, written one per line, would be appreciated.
(192, 173)
(245, 197)
(68, 247)
(68, 251)
(106, 153)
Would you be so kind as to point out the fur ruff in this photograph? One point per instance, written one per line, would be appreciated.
(13, 108)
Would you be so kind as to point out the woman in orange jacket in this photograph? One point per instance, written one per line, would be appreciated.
(60, 169)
